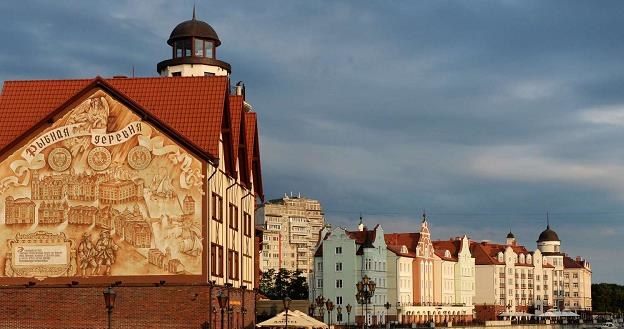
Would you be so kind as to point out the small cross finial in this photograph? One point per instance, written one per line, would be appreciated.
(424, 216)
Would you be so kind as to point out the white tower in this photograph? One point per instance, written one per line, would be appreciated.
(194, 51)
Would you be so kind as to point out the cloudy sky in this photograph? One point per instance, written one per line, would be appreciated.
(488, 114)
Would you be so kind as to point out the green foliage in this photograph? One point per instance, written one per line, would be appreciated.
(607, 297)
(278, 285)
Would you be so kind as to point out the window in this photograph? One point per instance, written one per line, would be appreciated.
(338, 283)
(338, 250)
(233, 217)
(217, 207)
(338, 267)
(339, 317)
(319, 283)
(208, 74)
(199, 47)
(208, 49)
(319, 266)
(233, 264)
(216, 260)
(247, 224)
(338, 300)
(176, 74)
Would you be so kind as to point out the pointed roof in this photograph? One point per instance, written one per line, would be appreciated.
(189, 107)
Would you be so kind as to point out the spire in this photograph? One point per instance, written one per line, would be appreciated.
(361, 226)
(424, 216)
(547, 221)
(193, 11)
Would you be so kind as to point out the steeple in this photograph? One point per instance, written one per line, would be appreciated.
(193, 51)
(361, 224)
(511, 239)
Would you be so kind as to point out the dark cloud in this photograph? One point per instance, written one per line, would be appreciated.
(487, 114)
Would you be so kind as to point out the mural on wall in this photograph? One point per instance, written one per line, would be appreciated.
(100, 193)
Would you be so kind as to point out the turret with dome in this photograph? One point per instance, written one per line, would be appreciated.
(548, 241)
(193, 51)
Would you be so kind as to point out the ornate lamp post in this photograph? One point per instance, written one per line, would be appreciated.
(286, 307)
(365, 290)
(330, 307)
(387, 306)
(349, 307)
(339, 314)
(320, 301)
(109, 300)
(223, 300)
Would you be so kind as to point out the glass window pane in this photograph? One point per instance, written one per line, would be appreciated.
(178, 49)
(208, 48)
(187, 48)
(199, 48)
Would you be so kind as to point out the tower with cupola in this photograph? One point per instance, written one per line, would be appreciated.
(194, 46)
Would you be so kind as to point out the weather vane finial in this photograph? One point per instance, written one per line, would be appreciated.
(194, 3)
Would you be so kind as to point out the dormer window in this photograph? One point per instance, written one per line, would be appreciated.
(522, 259)
(500, 256)
(403, 249)
(447, 254)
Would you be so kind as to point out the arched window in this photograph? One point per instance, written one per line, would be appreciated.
(447, 254)
(529, 259)
(403, 249)
(500, 256)
(522, 259)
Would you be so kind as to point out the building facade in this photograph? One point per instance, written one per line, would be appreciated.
(416, 284)
(168, 171)
(291, 231)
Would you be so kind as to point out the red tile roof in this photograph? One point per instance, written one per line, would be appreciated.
(23, 104)
(453, 246)
(571, 263)
(395, 241)
(192, 106)
(236, 113)
(486, 253)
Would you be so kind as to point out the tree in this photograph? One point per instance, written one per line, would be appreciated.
(267, 282)
(282, 281)
(278, 285)
(298, 288)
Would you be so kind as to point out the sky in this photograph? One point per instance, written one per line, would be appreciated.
(485, 114)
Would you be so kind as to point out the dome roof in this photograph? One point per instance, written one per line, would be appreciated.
(194, 28)
(510, 235)
(548, 235)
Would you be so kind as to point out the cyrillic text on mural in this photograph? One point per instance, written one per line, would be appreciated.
(98, 193)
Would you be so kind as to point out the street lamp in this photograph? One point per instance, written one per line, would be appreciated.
(387, 306)
(320, 301)
(286, 306)
(349, 307)
(365, 290)
(109, 300)
(311, 309)
(339, 314)
(330, 307)
(223, 300)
